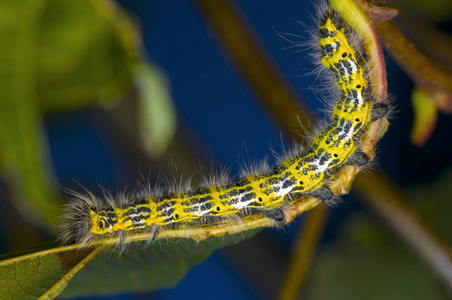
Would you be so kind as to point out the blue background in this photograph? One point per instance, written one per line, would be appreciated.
(218, 111)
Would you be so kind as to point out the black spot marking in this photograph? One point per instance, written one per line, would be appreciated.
(101, 224)
(325, 33)
(248, 197)
(206, 206)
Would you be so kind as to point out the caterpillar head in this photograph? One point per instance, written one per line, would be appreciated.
(100, 222)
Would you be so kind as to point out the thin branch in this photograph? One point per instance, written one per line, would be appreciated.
(428, 74)
(308, 237)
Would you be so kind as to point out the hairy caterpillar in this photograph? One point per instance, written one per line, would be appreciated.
(266, 193)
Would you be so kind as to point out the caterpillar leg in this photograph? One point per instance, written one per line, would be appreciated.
(380, 110)
(278, 215)
(325, 194)
(359, 159)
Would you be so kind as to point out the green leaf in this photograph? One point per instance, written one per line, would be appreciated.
(160, 265)
(44, 273)
(156, 112)
(23, 155)
(425, 116)
(87, 51)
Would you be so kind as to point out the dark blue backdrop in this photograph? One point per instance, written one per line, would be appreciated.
(218, 108)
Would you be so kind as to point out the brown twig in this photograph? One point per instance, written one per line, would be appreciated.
(428, 74)
(308, 237)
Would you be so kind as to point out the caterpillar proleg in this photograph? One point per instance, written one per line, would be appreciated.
(265, 194)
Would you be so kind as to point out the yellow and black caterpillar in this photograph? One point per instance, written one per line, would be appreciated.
(267, 193)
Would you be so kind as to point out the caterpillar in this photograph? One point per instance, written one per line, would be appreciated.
(267, 193)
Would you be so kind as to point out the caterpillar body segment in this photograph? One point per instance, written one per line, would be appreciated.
(267, 193)
(349, 69)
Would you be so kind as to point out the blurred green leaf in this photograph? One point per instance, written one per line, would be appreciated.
(156, 113)
(23, 156)
(425, 116)
(63, 55)
(87, 51)
(367, 263)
